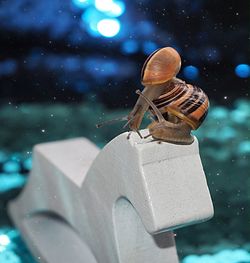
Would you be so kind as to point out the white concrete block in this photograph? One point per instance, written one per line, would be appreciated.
(111, 207)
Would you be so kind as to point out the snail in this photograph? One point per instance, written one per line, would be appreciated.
(177, 106)
(158, 71)
(178, 112)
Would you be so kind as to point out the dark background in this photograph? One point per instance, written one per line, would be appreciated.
(48, 52)
(59, 76)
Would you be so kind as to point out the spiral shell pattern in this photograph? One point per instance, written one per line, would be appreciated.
(187, 102)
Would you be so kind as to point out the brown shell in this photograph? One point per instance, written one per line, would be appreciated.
(161, 66)
(185, 101)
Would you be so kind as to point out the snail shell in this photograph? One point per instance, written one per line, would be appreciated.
(161, 66)
(187, 102)
(158, 71)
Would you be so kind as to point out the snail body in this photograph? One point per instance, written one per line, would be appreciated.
(158, 71)
(178, 133)
(178, 112)
(178, 107)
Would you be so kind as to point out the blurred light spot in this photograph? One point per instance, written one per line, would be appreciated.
(11, 181)
(12, 233)
(109, 68)
(108, 27)
(191, 259)
(27, 164)
(145, 28)
(81, 3)
(240, 255)
(244, 147)
(4, 240)
(103, 5)
(117, 9)
(8, 67)
(213, 135)
(110, 7)
(149, 47)
(239, 116)
(243, 105)
(191, 72)
(91, 17)
(242, 70)
(16, 157)
(224, 256)
(227, 133)
(130, 46)
(219, 113)
(11, 167)
(9, 256)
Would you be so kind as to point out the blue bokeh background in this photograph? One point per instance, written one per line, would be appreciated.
(69, 49)
(66, 65)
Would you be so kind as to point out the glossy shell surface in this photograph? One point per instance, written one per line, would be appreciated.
(187, 102)
(161, 66)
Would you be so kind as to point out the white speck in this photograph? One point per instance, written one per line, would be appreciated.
(225, 97)
(43, 130)
(51, 115)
